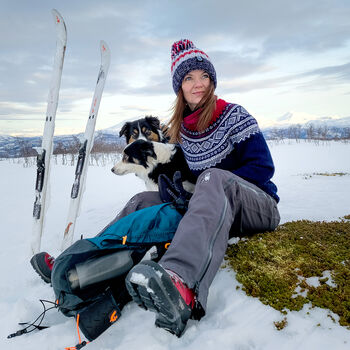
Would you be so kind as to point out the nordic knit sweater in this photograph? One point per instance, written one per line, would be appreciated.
(233, 142)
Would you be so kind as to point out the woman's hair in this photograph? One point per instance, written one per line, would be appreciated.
(207, 105)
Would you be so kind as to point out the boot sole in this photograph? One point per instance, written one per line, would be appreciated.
(152, 289)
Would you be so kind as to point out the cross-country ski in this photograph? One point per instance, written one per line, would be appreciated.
(45, 151)
(85, 149)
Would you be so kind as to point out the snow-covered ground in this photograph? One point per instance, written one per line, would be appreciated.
(233, 320)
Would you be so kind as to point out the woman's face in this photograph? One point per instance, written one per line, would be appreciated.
(194, 86)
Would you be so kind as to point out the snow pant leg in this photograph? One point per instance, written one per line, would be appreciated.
(139, 201)
(223, 204)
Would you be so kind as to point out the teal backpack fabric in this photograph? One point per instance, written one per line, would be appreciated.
(147, 226)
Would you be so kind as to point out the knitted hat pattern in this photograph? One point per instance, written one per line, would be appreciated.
(185, 57)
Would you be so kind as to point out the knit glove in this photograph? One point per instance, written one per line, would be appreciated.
(173, 191)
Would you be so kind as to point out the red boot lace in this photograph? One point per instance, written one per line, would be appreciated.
(49, 260)
(187, 294)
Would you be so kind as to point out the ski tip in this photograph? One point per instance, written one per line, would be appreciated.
(105, 54)
(57, 16)
(60, 24)
(104, 47)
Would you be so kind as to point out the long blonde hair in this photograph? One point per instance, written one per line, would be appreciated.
(207, 104)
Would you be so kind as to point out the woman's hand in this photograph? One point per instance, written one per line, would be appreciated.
(173, 191)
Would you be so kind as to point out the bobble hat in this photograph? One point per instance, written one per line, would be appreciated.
(185, 57)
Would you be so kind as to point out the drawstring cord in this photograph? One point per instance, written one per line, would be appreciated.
(81, 344)
(39, 327)
(35, 326)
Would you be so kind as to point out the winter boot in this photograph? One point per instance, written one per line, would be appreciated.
(43, 263)
(157, 290)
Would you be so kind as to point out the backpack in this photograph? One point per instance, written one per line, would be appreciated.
(88, 277)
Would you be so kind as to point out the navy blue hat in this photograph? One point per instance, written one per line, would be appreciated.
(185, 57)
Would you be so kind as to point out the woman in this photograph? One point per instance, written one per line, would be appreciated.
(233, 196)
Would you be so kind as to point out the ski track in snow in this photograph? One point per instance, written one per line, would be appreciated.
(233, 320)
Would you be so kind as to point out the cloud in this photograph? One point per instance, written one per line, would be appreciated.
(243, 38)
(248, 85)
(233, 65)
(316, 79)
(341, 72)
(308, 27)
(9, 107)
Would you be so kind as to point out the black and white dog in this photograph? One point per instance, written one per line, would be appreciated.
(148, 154)
(149, 159)
(147, 129)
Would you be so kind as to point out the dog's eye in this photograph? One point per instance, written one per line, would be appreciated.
(125, 157)
(147, 133)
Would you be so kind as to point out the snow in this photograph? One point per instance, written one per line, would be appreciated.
(139, 279)
(233, 320)
(315, 280)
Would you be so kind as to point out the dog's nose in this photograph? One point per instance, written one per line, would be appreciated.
(112, 170)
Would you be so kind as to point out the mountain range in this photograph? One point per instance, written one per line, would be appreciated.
(290, 125)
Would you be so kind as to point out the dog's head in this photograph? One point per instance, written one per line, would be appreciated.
(138, 153)
(147, 129)
(135, 157)
(149, 159)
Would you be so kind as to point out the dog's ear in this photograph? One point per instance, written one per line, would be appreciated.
(153, 121)
(124, 129)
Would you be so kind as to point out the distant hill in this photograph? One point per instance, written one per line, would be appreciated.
(305, 126)
(105, 141)
(291, 125)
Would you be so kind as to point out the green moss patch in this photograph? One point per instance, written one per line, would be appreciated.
(309, 176)
(331, 174)
(281, 324)
(277, 267)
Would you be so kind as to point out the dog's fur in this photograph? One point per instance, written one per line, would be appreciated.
(147, 129)
(149, 159)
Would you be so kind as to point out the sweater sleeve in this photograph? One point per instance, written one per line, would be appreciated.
(255, 162)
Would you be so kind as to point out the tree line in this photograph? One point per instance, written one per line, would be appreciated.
(106, 152)
(309, 132)
(26, 149)
(102, 153)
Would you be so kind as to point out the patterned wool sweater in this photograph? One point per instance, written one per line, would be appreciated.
(233, 142)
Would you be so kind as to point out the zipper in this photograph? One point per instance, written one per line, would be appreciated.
(211, 245)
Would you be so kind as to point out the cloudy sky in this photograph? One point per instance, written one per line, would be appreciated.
(274, 57)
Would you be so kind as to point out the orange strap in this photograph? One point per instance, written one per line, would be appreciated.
(80, 344)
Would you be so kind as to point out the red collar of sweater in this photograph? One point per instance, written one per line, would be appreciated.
(190, 122)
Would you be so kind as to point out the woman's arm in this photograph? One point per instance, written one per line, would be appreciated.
(253, 160)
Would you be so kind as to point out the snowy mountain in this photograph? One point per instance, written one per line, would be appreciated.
(11, 146)
(302, 125)
(290, 125)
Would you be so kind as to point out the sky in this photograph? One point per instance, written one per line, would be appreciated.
(276, 58)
